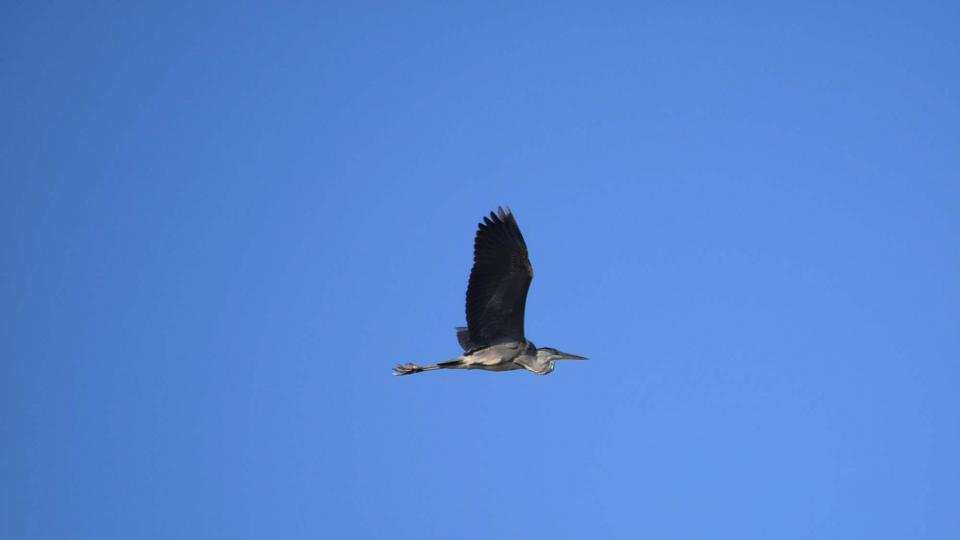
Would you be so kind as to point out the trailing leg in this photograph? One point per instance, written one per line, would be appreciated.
(408, 369)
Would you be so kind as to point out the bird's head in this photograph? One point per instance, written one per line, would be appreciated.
(551, 354)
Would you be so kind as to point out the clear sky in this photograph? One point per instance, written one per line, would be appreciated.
(223, 224)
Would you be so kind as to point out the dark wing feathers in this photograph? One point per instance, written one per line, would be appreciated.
(499, 280)
(463, 337)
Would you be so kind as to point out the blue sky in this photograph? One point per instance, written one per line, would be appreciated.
(224, 223)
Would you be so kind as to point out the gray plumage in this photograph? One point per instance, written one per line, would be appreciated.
(493, 339)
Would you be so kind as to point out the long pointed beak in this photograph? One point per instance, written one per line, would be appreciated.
(568, 356)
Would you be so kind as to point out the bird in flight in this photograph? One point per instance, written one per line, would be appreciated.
(496, 296)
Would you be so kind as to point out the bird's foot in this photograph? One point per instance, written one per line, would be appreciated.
(407, 369)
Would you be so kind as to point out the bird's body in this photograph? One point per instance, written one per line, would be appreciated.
(501, 357)
(493, 339)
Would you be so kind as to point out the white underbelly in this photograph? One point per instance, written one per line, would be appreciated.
(501, 366)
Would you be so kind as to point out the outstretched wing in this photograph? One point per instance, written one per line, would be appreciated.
(501, 275)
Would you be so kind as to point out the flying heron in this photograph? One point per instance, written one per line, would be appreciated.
(496, 296)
